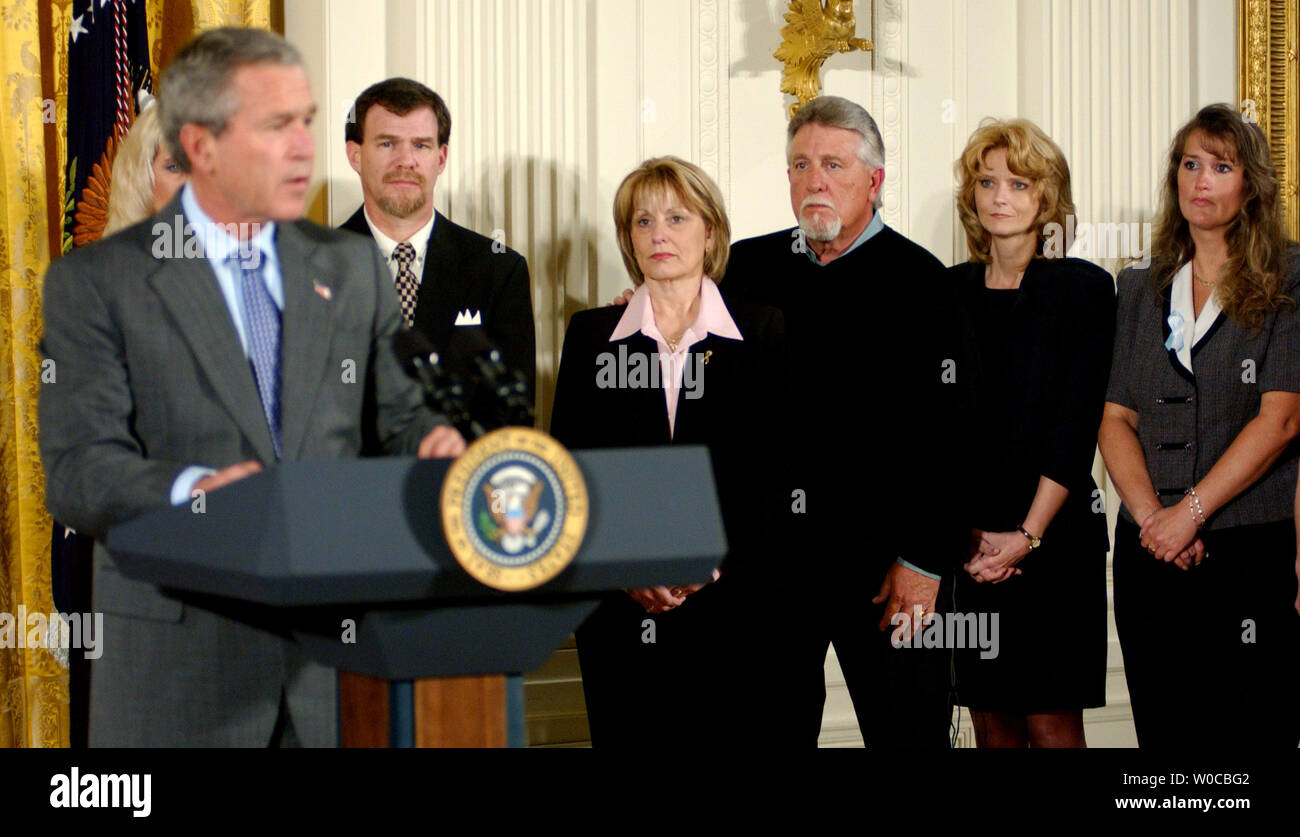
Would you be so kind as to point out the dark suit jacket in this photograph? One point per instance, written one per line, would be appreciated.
(731, 414)
(682, 681)
(1063, 328)
(463, 272)
(151, 378)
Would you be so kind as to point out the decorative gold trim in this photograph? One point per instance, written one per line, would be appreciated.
(814, 31)
(1269, 82)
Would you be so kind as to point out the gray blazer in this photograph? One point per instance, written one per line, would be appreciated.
(150, 377)
(1186, 421)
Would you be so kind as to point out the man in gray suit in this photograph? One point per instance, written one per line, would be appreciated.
(217, 338)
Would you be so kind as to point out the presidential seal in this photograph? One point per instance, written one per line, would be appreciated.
(514, 508)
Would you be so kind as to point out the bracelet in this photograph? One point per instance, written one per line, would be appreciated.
(1198, 513)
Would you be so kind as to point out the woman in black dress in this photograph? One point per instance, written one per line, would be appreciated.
(1037, 331)
(668, 664)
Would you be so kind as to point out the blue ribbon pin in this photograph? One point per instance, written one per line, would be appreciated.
(1175, 339)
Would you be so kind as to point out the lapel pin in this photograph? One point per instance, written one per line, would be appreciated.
(708, 353)
(322, 291)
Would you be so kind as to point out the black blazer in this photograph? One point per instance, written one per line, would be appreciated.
(732, 415)
(1064, 326)
(462, 272)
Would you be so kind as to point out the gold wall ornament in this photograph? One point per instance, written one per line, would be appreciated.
(814, 31)
(1270, 88)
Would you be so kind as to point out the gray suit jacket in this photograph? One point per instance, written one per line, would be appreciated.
(149, 378)
(1187, 421)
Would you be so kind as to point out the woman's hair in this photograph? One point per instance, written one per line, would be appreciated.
(1250, 281)
(130, 193)
(673, 176)
(1030, 154)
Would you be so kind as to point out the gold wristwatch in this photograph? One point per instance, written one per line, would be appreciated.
(1034, 542)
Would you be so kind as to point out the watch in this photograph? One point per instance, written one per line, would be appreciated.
(1034, 542)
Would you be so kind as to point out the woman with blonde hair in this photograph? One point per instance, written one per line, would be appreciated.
(1036, 331)
(145, 177)
(1198, 435)
(667, 664)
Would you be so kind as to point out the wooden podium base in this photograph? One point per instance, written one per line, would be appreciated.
(434, 712)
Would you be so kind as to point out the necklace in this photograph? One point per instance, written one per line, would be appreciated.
(1198, 280)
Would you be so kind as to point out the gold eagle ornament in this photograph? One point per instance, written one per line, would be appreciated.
(814, 31)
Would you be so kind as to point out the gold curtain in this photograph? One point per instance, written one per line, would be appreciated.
(33, 683)
(34, 700)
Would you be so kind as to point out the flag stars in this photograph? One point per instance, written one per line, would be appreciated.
(77, 28)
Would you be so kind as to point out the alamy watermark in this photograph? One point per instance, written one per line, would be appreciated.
(638, 370)
(1089, 240)
(179, 240)
(53, 631)
(946, 630)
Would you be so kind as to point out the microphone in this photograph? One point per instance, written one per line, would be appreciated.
(442, 390)
(506, 388)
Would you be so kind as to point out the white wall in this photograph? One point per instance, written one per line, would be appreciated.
(553, 101)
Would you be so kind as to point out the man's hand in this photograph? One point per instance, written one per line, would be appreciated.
(227, 475)
(623, 298)
(660, 599)
(443, 442)
(907, 591)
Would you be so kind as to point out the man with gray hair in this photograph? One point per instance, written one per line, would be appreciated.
(867, 322)
(183, 368)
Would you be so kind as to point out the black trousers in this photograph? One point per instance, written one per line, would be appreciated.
(1211, 654)
(902, 697)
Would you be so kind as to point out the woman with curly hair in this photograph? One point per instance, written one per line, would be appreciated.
(1202, 411)
(1037, 342)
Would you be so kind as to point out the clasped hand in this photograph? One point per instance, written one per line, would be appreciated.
(661, 599)
(994, 555)
(1169, 534)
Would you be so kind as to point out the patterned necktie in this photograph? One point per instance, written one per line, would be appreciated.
(262, 323)
(408, 287)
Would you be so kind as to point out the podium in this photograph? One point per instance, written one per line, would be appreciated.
(351, 558)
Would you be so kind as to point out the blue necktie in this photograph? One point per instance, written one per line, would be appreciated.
(262, 324)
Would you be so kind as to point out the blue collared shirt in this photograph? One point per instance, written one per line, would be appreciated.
(877, 224)
(226, 255)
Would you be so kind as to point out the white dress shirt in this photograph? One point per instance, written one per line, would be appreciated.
(419, 240)
(1193, 327)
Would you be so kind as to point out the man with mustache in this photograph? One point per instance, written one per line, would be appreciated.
(867, 319)
(447, 277)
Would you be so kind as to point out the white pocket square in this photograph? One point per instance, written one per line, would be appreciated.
(468, 318)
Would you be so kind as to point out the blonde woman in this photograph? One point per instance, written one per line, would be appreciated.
(145, 177)
(1037, 333)
(684, 682)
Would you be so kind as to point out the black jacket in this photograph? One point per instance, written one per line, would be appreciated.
(462, 272)
(1063, 329)
(868, 413)
(731, 412)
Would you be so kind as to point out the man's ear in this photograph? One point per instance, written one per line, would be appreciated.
(442, 158)
(354, 155)
(877, 185)
(197, 142)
